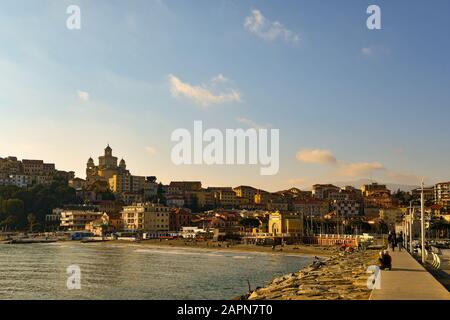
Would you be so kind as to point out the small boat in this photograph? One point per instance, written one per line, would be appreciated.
(93, 239)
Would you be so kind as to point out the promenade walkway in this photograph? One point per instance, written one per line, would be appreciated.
(408, 280)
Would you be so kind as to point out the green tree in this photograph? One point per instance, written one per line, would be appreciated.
(8, 222)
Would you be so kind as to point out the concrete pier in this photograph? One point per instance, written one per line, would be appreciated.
(408, 280)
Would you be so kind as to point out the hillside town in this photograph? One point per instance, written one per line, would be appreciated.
(111, 203)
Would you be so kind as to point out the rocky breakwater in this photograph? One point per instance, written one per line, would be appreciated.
(341, 276)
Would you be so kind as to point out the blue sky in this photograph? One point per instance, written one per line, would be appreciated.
(350, 102)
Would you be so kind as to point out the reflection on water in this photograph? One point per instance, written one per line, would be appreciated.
(115, 271)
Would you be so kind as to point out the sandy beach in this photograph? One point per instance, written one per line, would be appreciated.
(299, 249)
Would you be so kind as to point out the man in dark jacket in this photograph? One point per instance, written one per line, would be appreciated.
(392, 240)
(385, 260)
(400, 241)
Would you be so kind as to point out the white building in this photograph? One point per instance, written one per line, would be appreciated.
(54, 216)
(442, 193)
(20, 180)
(73, 220)
(191, 232)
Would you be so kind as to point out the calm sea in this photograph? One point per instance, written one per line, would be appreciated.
(122, 271)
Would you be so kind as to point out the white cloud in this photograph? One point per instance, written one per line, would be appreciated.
(359, 169)
(83, 95)
(268, 30)
(366, 51)
(151, 151)
(253, 124)
(352, 169)
(201, 94)
(316, 156)
(219, 79)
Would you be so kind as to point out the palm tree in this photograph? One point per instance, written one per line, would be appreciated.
(31, 218)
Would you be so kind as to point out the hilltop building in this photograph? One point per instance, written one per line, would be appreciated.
(120, 181)
(14, 172)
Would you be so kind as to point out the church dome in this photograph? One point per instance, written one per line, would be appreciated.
(90, 160)
(122, 163)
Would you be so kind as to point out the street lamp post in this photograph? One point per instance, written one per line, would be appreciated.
(405, 232)
(422, 216)
(411, 217)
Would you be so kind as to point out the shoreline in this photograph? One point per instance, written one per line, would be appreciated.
(296, 249)
(342, 276)
(292, 249)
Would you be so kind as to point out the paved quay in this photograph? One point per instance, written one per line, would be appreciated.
(408, 280)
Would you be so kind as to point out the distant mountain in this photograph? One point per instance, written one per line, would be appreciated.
(391, 186)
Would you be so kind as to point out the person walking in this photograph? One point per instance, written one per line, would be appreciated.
(400, 241)
(392, 240)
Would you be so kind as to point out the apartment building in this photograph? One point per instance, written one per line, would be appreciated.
(324, 191)
(246, 192)
(149, 217)
(73, 220)
(442, 193)
(369, 189)
(179, 218)
(311, 207)
(179, 187)
(347, 208)
(226, 198)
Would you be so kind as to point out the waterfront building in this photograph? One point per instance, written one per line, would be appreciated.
(179, 218)
(100, 226)
(73, 220)
(54, 217)
(149, 217)
(286, 224)
(192, 232)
